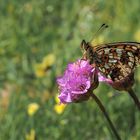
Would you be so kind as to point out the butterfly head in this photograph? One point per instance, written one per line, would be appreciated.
(87, 50)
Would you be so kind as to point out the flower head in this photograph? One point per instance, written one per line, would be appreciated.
(31, 135)
(59, 108)
(76, 82)
(125, 84)
(32, 108)
(45, 65)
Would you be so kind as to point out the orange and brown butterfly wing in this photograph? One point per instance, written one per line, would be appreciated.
(117, 60)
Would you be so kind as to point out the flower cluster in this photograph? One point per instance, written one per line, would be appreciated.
(75, 82)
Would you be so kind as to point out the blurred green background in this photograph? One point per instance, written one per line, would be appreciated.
(37, 40)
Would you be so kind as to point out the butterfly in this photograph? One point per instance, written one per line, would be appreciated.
(114, 60)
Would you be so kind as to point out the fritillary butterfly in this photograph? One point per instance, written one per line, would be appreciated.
(114, 60)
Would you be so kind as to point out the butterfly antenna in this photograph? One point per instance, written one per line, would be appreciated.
(102, 27)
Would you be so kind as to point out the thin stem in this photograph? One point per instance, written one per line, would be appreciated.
(102, 108)
(134, 97)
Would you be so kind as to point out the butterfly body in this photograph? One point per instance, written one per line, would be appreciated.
(114, 60)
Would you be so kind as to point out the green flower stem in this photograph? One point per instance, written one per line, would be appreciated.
(102, 108)
(134, 97)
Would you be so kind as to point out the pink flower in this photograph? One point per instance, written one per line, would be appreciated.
(104, 79)
(76, 82)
